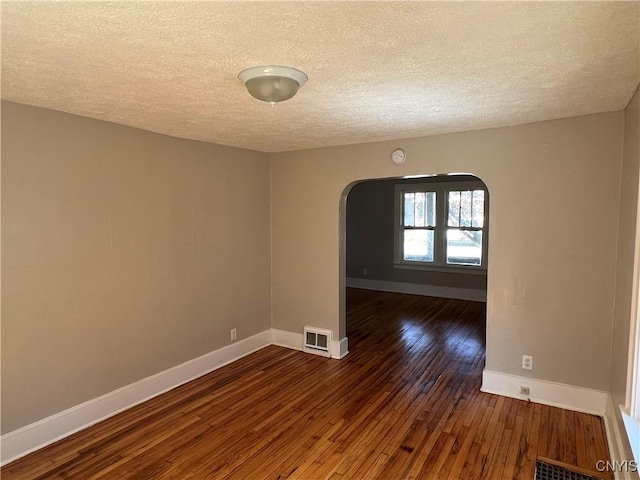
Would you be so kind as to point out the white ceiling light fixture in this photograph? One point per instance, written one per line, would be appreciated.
(272, 83)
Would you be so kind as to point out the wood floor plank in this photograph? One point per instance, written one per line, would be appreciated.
(524, 467)
(543, 434)
(404, 404)
(569, 439)
(513, 449)
(582, 455)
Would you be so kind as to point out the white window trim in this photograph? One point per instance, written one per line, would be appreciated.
(442, 204)
(632, 403)
(631, 408)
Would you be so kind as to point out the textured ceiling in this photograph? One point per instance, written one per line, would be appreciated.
(377, 70)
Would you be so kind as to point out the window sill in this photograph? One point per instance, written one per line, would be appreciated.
(448, 269)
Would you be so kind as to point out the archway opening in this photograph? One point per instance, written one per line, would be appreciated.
(420, 236)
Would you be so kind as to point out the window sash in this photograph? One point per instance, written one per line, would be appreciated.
(464, 251)
(441, 227)
(420, 246)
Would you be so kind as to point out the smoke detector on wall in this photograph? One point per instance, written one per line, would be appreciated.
(398, 156)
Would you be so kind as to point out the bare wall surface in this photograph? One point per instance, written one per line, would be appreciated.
(626, 251)
(124, 253)
(370, 236)
(554, 189)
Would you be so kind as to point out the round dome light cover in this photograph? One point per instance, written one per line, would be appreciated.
(272, 89)
(272, 83)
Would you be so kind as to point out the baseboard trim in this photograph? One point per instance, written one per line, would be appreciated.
(37, 435)
(614, 438)
(32, 437)
(631, 433)
(554, 394)
(341, 347)
(284, 338)
(418, 289)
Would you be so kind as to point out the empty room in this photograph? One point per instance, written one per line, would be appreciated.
(320, 240)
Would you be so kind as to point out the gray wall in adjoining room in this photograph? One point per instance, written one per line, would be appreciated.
(370, 236)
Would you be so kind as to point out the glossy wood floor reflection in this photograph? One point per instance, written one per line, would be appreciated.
(404, 404)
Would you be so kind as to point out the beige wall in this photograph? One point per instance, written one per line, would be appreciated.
(124, 253)
(626, 250)
(554, 189)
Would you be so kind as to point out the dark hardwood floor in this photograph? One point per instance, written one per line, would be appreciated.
(404, 404)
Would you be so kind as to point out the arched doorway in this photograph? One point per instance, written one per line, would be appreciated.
(424, 235)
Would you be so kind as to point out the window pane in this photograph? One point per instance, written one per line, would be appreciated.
(419, 202)
(454, 209)
(418, 245)
(408, 209)
(465, 208)
(478, 208)
(431, 209)
(464, 247)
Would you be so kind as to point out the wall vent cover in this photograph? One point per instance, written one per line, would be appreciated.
(317, 341)
(550, 471)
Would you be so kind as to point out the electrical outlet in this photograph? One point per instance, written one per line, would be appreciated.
(234, 334)
(527, 362)
(524, 390)
(365, 271)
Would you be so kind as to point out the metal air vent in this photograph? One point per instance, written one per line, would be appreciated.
(317, 341)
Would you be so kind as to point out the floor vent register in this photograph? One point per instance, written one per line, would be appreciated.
(550, 471)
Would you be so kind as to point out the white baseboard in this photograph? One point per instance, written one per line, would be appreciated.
(25, 440)
(341, 348)
(614, 438)
(418, 289)
(283, 338)
(548, 393)
(48, 430)
(632, 434)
